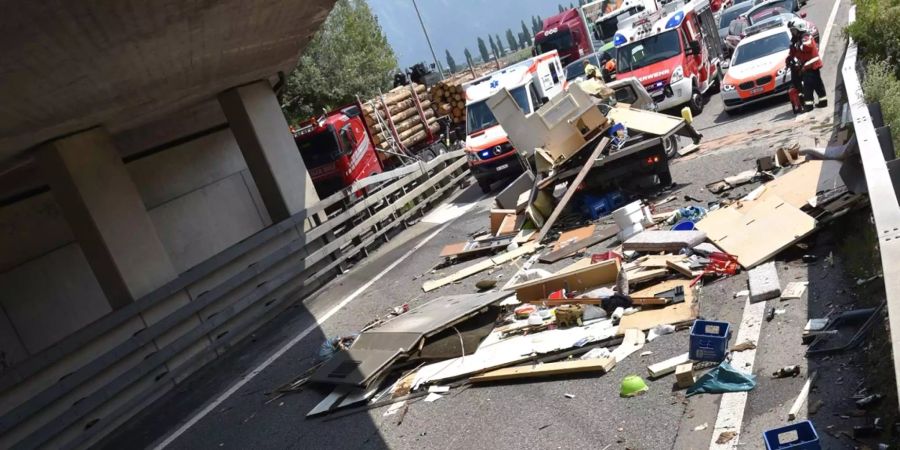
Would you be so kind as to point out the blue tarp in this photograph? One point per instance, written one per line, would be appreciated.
(723, 378)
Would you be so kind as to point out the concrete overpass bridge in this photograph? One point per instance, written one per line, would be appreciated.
(143, 162)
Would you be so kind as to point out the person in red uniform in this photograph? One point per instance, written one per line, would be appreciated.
(805, 49)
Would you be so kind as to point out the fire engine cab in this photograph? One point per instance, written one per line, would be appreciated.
(532, 83)
(673, 52)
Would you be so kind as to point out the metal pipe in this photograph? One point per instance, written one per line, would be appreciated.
(428, 40)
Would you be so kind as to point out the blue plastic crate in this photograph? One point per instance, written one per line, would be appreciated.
(796, 436)
(595, 207)
(709, 340)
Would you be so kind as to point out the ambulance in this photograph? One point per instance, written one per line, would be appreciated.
(532, 83)
(674, 52)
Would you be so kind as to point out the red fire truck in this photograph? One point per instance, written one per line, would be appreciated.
(675, 53)
(567, 33)
(338, 149)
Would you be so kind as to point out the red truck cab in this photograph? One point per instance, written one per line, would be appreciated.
(337, 149)
(566, 33)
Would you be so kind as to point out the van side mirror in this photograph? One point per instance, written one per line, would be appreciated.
(694, 47)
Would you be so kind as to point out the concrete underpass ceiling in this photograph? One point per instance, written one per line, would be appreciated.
(70, 65)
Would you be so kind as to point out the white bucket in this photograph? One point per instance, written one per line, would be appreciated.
(629, 218)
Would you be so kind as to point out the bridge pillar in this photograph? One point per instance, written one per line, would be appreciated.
(262, 133)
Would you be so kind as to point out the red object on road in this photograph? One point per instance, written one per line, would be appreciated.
(796, 102)
(597, 257)
(719, 264)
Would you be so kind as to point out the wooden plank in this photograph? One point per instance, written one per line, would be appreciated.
(573, 186)
(573, 236)
(669, 315)
(659, 261)
(525, 249)
(687, 150)
(681, 268)
(757, 231)
(568, 250)
(668, 366)
(497, 217)
(508, 225)
(477, 246)
(581, 279)
(547, 369)
(801, 399)
(644, 276)
(804, 182)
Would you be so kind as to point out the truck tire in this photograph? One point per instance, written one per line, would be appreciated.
(485, 186)
(665, 178)
(670, 145)
(696, 102)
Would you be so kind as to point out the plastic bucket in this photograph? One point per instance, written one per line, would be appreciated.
(684, 225)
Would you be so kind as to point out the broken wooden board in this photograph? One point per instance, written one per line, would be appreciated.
(568, 250)
(497, 217)
(581, 279)
(644, 276)
(794, 290)
(805, 181)
(525, 249)
(570, 237)
(688, 149)
(602, 365)
(573, 186)
(510, 224)
(659, 261)
(669, 315)
(757, 231)
(681, 267)
(478, 246)
(664, 241)
(684, 375)
(668, 366)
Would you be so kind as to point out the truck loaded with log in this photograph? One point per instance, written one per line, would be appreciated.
(367, 137)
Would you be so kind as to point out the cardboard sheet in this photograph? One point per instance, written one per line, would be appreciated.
(681, 312)
(804, 182)
(758, 230)
(573, 236)
(582, 279)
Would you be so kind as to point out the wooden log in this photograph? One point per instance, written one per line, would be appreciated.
(405, 123)
(402, 115)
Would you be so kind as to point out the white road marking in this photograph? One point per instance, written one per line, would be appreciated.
(281, 351)
(828, 27)
(732, 405)
(447, 212)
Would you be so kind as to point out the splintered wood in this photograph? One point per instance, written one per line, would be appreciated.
(669, 315)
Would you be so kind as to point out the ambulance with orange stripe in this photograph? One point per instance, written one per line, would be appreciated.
(532, 83)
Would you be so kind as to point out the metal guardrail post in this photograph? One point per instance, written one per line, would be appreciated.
(883, 198)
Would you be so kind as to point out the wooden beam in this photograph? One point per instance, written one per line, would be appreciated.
(668, 366)
(525, 249)
(801, 399)
(574, 247)
(646, 275)
(588, 165)
(681, 268)
(548, 369)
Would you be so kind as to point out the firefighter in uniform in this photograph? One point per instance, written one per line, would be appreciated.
(806, 51)
(591, 71)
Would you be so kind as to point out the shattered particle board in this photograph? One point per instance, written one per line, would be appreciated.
(805, 181)
(659, 261)
(498, 216)
(510, 224)
(794, 289)
(634, 341)
(602, 365)
(681, 267)
(579, 278)
(573, 236)
(673, 314)
(475, 247)
(644, 276)
(764, 282)
(568, 250)
(502, 258)
(757, 231)
(664, 241)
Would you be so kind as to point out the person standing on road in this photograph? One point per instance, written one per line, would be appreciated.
(590, 71)
(805, 49)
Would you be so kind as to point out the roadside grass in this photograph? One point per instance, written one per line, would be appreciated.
(881, 85)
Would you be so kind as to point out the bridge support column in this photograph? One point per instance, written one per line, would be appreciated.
(262, 133)
(106, 214)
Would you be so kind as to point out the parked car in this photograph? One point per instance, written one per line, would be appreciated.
(781, 20)
(757, 69)
(791, 5)
(729, 15)
(769, 11)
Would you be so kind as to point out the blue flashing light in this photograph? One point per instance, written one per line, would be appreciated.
(484, 154)
(675, 20)
(619, 39)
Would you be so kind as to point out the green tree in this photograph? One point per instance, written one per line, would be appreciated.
(482, 48)
(451, 63)
(526, 33)
(523, 40)
(511, 40)
(348, 56)
(469, 59)
(540, 24)
(494, 51)
(499, 45)
(561, 9)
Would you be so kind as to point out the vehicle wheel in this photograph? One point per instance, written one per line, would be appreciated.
(665, 178)
(696, 102)
(670, 145)
(485, 186)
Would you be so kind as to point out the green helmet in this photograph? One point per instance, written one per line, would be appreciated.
(633, 385)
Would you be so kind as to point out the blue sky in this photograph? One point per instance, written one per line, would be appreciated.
(453, 24)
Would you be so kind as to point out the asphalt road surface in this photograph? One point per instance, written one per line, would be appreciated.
(226, 404)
